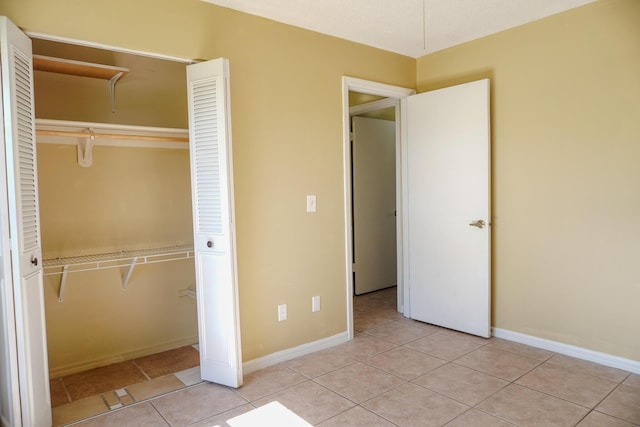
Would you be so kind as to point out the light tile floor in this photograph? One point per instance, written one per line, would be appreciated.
(398, 372)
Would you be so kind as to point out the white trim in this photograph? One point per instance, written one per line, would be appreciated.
(569, 350)
(74, 126)
(346, 171)
(95, 45)
(291, 353)
(395, 93)
(373, 106)
(104, 360)
(403, 214)
(375, 88)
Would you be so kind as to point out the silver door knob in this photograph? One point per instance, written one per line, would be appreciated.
(479, 223)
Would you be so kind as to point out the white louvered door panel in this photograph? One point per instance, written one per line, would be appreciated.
(24, 225)
(213, 222)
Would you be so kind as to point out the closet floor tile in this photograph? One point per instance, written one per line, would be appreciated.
(169, 362)
(100, 380)
(58, 393)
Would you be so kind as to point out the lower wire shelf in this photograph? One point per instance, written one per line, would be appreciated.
(129, 259)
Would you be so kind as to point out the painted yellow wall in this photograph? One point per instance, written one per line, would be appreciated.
(287, 141)
(130, 198)
(357, 98)
(152, 93)
(566, 155)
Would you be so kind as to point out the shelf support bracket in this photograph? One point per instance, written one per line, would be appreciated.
(112, 90)
(63, 283)
(127, 275)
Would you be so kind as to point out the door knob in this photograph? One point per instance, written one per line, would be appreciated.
(34, 261)
(209, 244)
(479, 223)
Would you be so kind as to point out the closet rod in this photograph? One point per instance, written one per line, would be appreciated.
(111, 136)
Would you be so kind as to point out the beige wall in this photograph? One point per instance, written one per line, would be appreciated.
(566, 155)
(287, 141)
(152, 93)
(357, 98)
(130, 198)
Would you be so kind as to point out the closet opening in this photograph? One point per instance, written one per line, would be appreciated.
(116, 227)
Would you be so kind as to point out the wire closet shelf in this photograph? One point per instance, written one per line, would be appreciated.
(129, 259)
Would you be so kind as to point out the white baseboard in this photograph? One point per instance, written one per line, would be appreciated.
(570, 350)
(291, 353)
(105, 360)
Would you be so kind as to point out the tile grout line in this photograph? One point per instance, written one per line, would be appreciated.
(64, 387)
(151, 402)
(141, 370)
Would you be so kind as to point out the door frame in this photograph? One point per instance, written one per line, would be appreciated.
(352, 84)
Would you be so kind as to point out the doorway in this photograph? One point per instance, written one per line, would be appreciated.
(208, 94)
(373, 174)
(110, 343)
(440, 129)
(384, 97)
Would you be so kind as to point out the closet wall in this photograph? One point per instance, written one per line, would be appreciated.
(129, 198)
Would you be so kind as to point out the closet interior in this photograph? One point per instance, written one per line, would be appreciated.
(116, 226)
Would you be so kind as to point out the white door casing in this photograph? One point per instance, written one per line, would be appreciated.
(20, 205)
(352, 84)
(214, 222)
(374, 203)
(447, 169)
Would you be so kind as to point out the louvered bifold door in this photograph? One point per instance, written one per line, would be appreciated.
(213, 222)
(24, 224)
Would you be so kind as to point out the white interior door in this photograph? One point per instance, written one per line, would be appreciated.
(213, 222)
(374, 204)
(448, 207)
(21, 235)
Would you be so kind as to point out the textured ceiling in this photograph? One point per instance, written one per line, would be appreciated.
(409, 27)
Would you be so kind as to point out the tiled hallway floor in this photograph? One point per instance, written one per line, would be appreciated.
(398, 372)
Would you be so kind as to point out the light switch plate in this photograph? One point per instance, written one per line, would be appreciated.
(311, 203)
(282, 312)
(315, 303)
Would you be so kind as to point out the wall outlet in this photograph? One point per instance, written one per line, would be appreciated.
(315, 303)
(282, 312)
